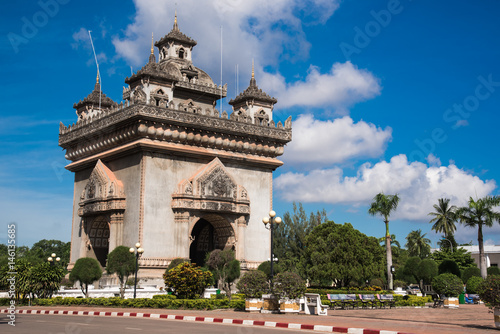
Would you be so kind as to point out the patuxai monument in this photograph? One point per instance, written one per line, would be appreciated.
(166, 168)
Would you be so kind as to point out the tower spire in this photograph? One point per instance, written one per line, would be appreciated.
(152, 58)
(253, 83)
(176, 27)
(152, 44)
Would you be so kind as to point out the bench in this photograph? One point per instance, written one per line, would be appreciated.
(335, 300)
(472, 298)
(386, 300)
(313, 304)
(438, 302)
(368, 300)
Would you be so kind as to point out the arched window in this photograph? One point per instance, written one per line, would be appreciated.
(181, 53)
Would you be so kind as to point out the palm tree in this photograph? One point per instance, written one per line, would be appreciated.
(394, 242)
(444, 218)
(383, 205)
(417, 244)
(480, 213)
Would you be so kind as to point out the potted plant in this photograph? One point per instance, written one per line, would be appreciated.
(489, 292)
(253, 284)
(450, 286)
(289, 287)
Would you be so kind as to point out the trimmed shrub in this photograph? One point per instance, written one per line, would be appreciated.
(449, 266)
(289, 285)
(470, 272)
(493, 271)
(447, 284)
(253, 284)
(473, 284)
(187, 280)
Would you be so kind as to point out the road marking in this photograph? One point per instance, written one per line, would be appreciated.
(134, 329)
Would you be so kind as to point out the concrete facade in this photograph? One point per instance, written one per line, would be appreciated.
(167, 169)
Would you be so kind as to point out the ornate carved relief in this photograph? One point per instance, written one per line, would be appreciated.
(103, 193)
(211, 189)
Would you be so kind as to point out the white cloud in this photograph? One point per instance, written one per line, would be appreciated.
(418, 185)
(258, 29)
(267, 31)
(81, 37)
(334, 141)
(433, 160)
(343, 86)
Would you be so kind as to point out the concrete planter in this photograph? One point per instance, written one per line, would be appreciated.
(253, 304)
(496, 314)
(451, 302)
(289, 306)
(271, 304)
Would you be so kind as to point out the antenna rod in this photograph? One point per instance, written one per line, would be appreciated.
(98, 72)
(221, 68)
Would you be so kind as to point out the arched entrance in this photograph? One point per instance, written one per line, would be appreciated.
(98, 235)
(209, 233)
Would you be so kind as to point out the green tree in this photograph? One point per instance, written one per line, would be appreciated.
(86, 271)
(470, 272)
(477, 214)
(411, 268)
(444, 220)
(290, 236)
(448, 243)
(473, 284)
(121, 262)
(449, 266)
(253, 284)
(341, 254)
(493, 271)
(461, 257)
(22, 268)
(45, 279)
(383, 205)
(266, 267)
(394, 242)
(427, 270)
(417, 244)
(42, 249)
(224, 267)
(447, 284)
(187, 280)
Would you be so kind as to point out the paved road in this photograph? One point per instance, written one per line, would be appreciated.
(67, 324)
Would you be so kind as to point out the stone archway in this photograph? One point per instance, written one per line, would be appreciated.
(209, 233)
(98, 239)
(102, 206)
(210, 208)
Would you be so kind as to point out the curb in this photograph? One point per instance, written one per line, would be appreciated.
(271, 324)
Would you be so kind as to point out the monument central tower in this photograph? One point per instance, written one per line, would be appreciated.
(167, 169)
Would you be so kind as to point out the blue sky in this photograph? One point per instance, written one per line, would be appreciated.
(393, 96)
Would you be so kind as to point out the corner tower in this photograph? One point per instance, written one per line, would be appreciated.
(165, 168)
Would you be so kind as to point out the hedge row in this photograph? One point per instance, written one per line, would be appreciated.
(400, 300)
(166, 303)
(324, 292)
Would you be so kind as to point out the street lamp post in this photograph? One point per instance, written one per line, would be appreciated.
(271, 223)
(53, 258)
(137, 252)
(451, 244)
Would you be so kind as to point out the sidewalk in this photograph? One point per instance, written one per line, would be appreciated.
(465, 319)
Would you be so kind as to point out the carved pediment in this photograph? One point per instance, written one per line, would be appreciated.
(103, 192)
(212, 188)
